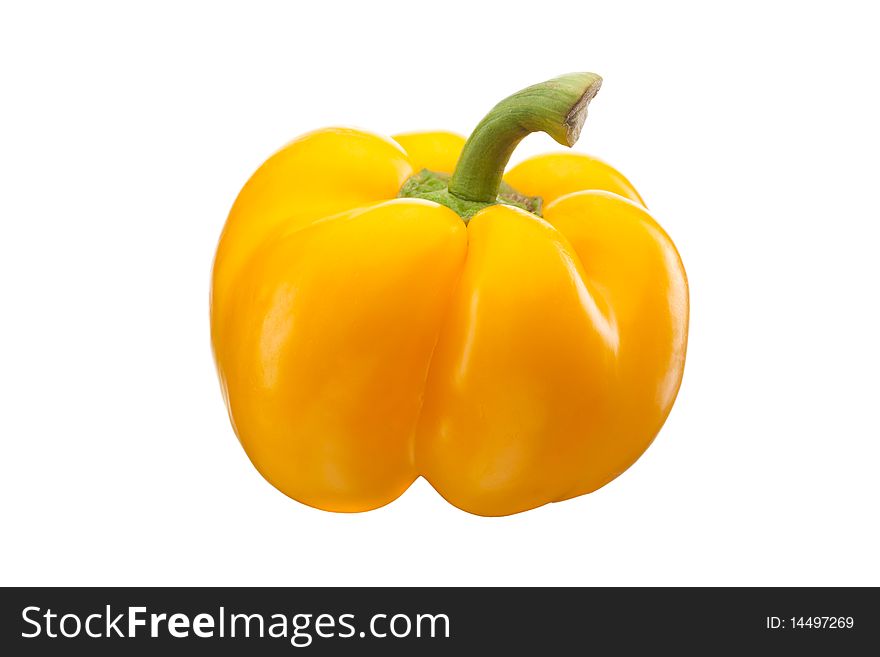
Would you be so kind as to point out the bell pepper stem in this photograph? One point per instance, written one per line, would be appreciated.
(557, 107)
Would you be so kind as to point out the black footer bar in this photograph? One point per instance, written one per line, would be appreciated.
(436, 621)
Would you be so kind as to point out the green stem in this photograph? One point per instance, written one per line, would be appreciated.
(557, 107)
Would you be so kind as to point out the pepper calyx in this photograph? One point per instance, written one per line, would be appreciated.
(434, 186)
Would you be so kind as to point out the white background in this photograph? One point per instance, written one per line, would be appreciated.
(126, 134)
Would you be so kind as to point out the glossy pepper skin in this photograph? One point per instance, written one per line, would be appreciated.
(363, 340)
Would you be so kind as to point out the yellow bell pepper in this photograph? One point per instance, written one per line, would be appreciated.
(374, 318)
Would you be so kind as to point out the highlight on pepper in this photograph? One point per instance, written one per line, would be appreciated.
(389, 308)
